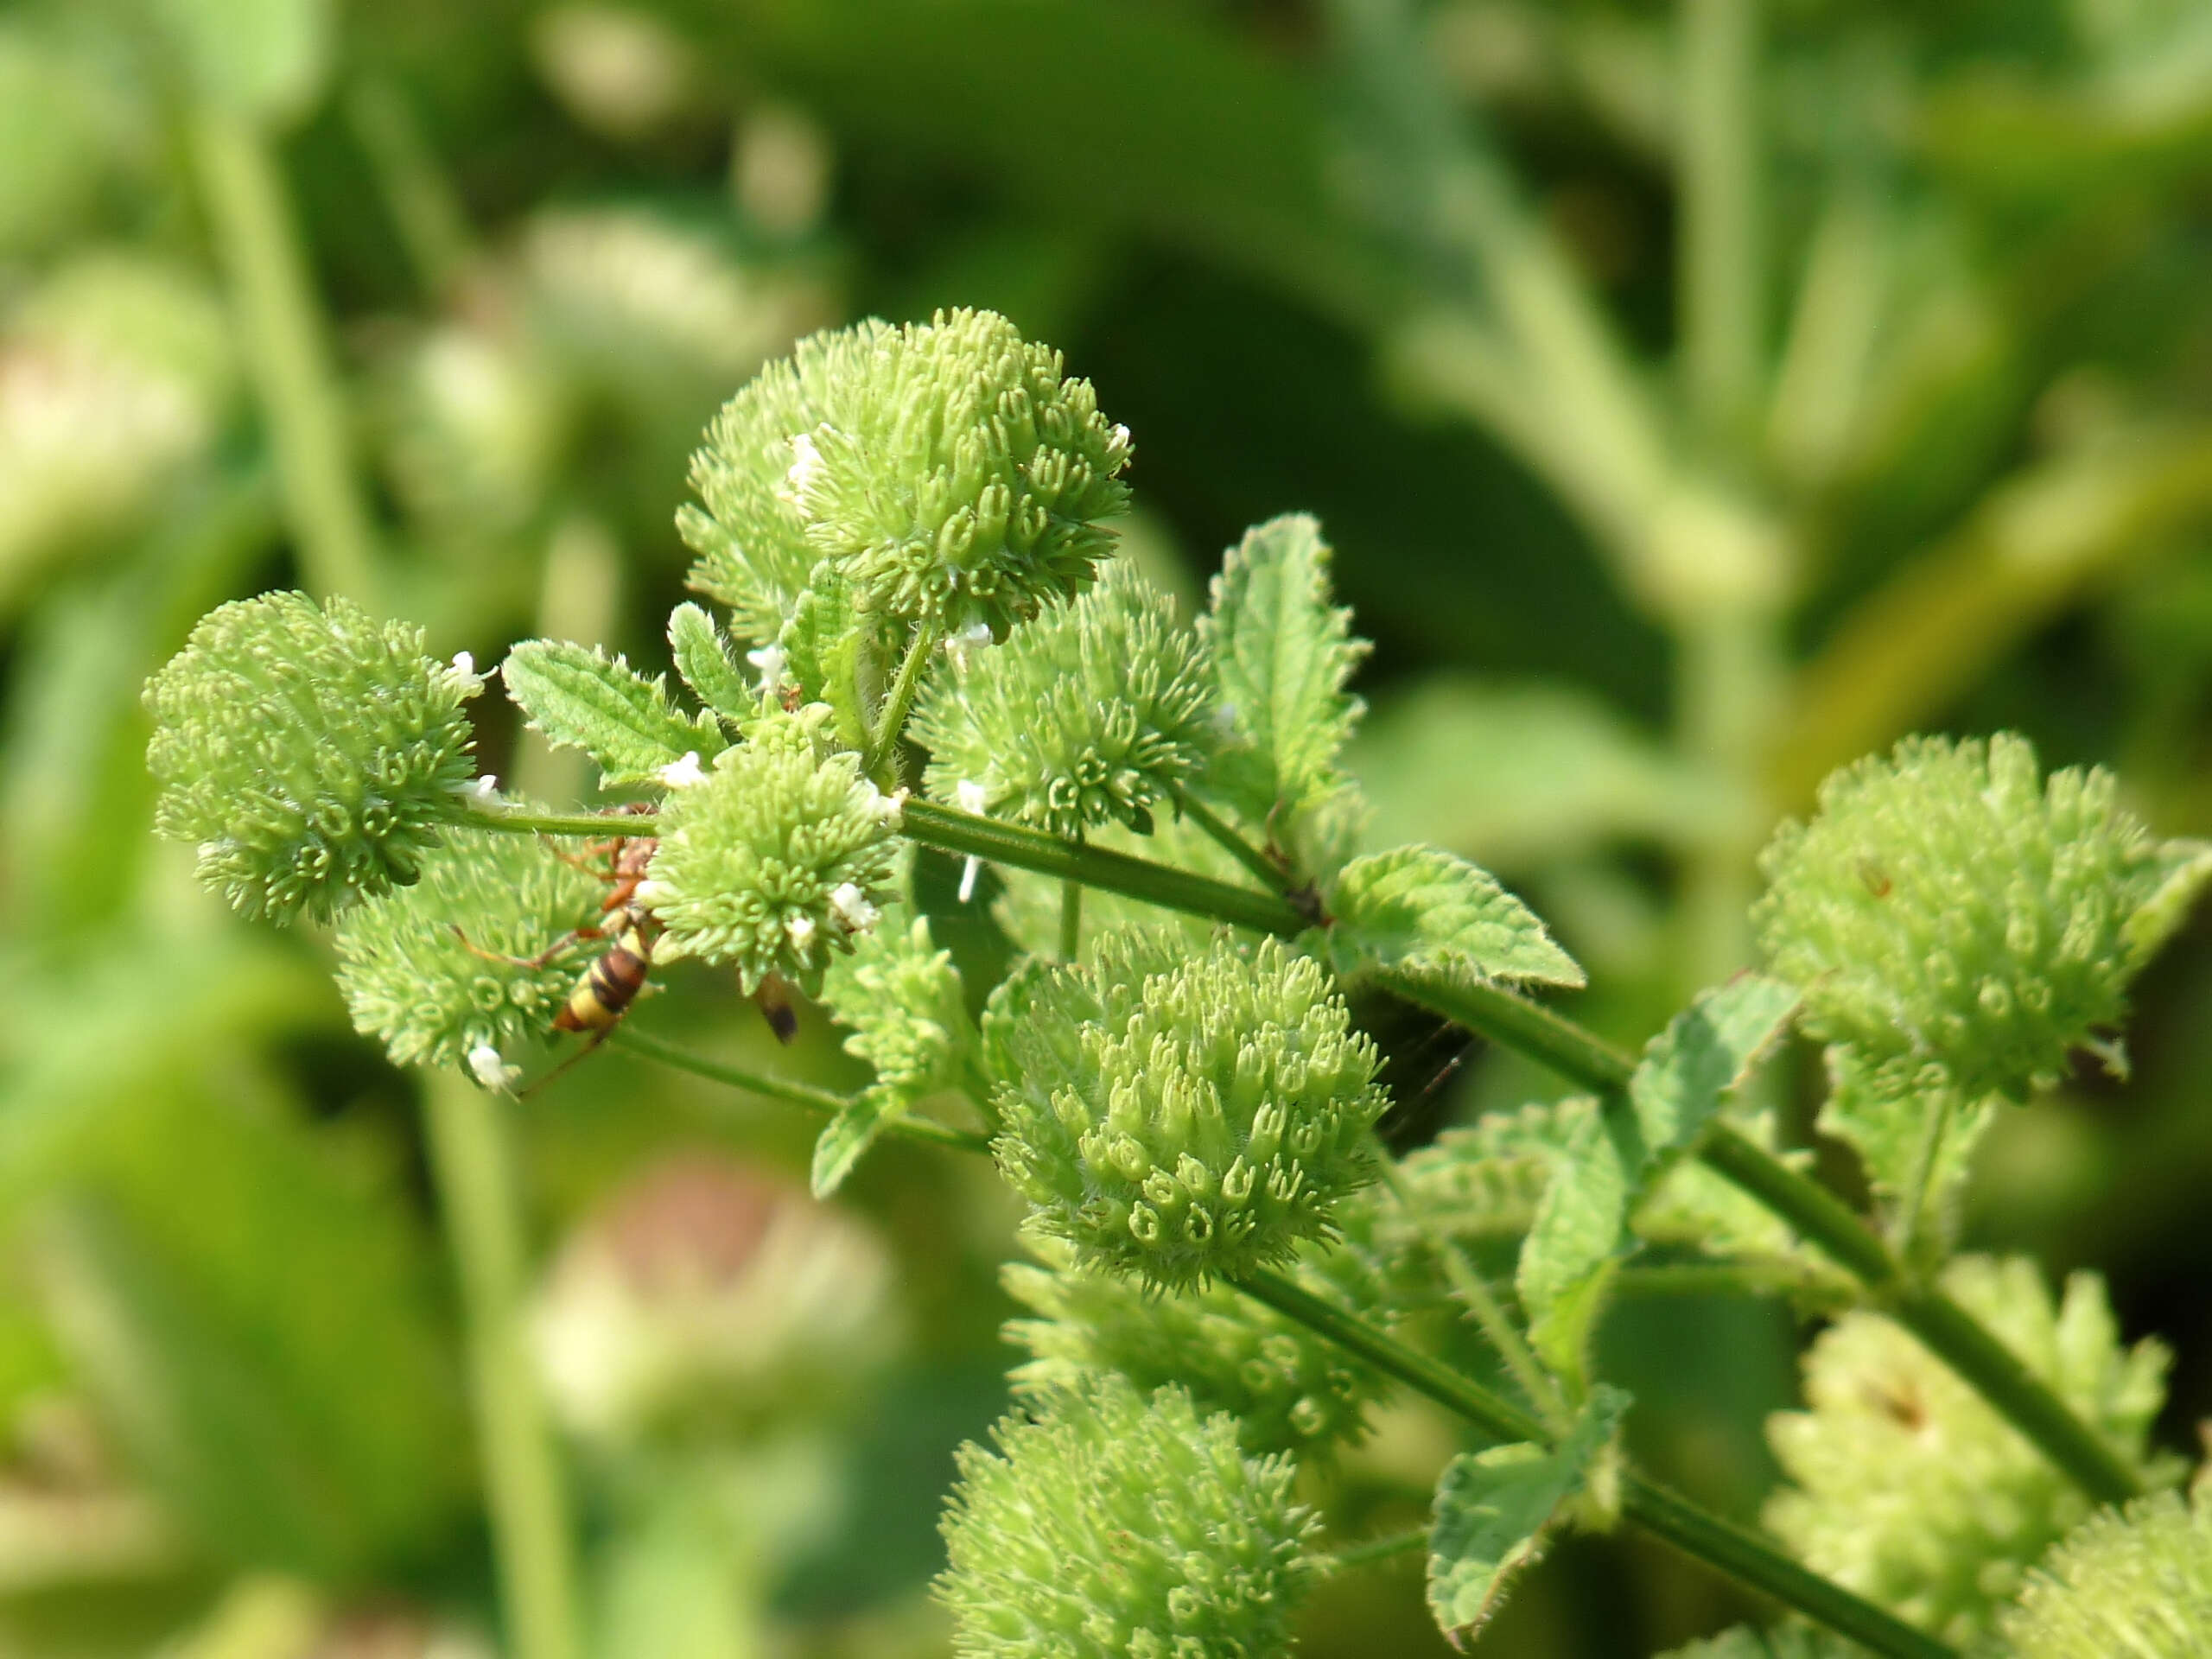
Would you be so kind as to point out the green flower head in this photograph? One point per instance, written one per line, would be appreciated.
(903, 1000)
(2137, 1582)
(1112, 1525)
(1946, 906)
(1908, 1488)
(952, 469)
(1088, 716)
(1183, 1116)
(1288, 1389)
(437, 972)
(773, 859)
(313, 753)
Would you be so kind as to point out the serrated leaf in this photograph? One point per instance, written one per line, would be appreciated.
(1703, 1056)
(821, 650)
(1282, 654)
(1574, 1243)
(851, 1133)
(583, 699)
(1495, 1512)
(1423, 908)
(696, 645)
(2189, 869)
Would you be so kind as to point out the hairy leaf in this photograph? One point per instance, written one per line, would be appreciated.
(1567, 1260)
(701, 658)
(1496, 1511)
(582, 699)
(1421, 907)
(1282, 654)
(850, 1134)
(1704, 1054)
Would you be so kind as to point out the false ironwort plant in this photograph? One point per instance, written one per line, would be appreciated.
(930, 642)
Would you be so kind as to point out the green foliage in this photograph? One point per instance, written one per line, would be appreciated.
(2137, 1581)
(1909, 1488)
(1422, 910)
(1185, 1118)
(1288, 1389)
(905, 1006)
(582, 699)
(1283, 653)
(1781, 1642)
(1111, 1523)
(1952, 917)
(774, 859)
(1496, 1511)
(701, 656)
(261, 59)
(442, 970)
(953, 471)
(312, 754)
(1091, 714)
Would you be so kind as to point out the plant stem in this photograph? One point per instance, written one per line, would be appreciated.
(473, 1161)
(1482, 1302)
(521, 821)
(951, 830)
(424, 208)
(1721, 311)
(1741, 1554)
(1071, 919)
(1946, 1330)
(825, 1103)
(1269, 873)
(1375, 1549)
(287, 351)
(894, 716)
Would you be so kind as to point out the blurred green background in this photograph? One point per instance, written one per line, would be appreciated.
(1698, 397)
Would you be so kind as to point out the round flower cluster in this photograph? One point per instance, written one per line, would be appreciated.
(1112, 1525)
(441, 972)
(1947, 908)
(312, 753)
(2137, 1581)
(952, 470)
(774, 859)
(902, 999)
(1288, 1389)
(1909, 1488)
(1088, 716)
(1183, 1117)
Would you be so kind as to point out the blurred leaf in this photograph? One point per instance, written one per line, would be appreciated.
(53, 141)
(850, 1134)
(1420, 908)
(1521, 775)
(1496, 1511)
(2188, 870)
(581, 699)
(260, 1326)
(1703, 1056)
(1568, 1259)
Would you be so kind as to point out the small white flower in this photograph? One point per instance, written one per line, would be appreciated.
(889, 808)
(489, 1070)
(806, 465)
(461, 672)
(1121, 434)
(484, 790)
(850, 905)
(769, 660)
(651, 893)
(960, 647)
(682, 774)
(801, 930)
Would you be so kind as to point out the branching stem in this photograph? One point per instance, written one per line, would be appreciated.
(1743, 1556)
(1946, 1330)
(1263, 868)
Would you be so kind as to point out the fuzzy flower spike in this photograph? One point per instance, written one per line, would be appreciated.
(1955, 919)
(313, 753)
(1090, 714)
(1183, 1117)
(1111, 1526)
(951, 472)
